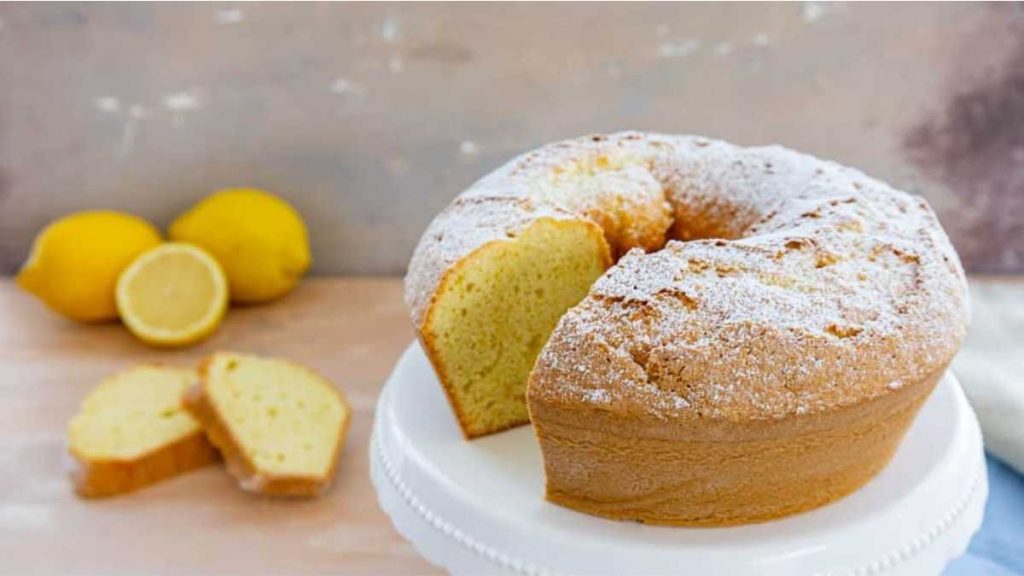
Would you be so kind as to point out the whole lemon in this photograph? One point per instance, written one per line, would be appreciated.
(259, 239)
(75, 261)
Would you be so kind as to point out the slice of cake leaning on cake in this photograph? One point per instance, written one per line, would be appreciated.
(695, 328)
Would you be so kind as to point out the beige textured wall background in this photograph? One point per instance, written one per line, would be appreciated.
(369, 118)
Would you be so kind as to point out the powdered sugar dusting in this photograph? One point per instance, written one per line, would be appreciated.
(464, 226)
(792, 284)
(597, 396)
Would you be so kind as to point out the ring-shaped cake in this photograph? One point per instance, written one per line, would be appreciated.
(701, 333)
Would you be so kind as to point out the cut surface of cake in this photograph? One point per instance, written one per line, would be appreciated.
(132, 431)
(279, 425)
(494, 312)
(496, 270)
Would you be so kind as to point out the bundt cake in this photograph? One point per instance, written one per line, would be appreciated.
(765, 336)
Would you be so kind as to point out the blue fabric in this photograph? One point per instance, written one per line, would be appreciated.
(998, 548)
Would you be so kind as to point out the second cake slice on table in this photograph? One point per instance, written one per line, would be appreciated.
(131, 432)
(279, 425)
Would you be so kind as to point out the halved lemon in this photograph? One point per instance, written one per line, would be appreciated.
(172, 295)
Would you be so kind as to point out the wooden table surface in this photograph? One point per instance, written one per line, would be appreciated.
(351, 330)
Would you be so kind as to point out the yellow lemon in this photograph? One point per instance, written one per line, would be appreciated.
(173, 295)
(75, 261)
(258, 238)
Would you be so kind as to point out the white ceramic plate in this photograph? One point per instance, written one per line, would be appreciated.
(478, 507)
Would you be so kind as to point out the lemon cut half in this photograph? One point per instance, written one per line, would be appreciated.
(172, 295)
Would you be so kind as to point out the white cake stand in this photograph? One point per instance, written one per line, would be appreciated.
(478, 507)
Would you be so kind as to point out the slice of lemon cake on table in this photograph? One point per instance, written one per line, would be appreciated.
(280, 426)
(132, 431)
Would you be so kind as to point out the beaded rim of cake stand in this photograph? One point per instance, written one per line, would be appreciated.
(515, 565)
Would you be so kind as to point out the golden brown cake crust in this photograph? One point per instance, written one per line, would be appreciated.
(101, 478)
(625, 474)
(198, 403)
